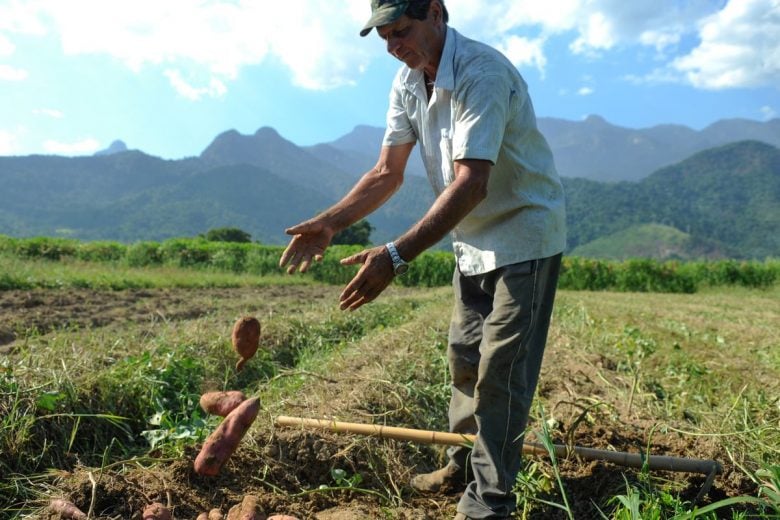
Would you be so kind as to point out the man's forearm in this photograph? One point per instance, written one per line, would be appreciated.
(370, 192)
(464, 194)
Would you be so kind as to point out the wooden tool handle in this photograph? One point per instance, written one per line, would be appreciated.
(634, 460)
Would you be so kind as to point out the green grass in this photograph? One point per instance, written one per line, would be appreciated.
(17, 273)
(695, 370)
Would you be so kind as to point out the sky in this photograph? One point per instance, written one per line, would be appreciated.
(167, 77)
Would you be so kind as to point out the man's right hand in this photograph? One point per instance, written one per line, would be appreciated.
(310, 239)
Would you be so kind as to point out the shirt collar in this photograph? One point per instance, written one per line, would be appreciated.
(445, 75)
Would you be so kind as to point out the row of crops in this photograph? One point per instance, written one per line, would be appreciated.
(433, 268)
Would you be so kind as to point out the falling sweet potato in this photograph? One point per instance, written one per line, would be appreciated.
(246, 510)
(66, 509)
(156, 511)
(225, 439)
(246, 338)
(221, 403)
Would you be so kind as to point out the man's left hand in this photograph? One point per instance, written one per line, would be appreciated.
(369, 282)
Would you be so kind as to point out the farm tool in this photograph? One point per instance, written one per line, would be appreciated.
(711, 468)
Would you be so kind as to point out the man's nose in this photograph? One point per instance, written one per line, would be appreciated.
(392, 45)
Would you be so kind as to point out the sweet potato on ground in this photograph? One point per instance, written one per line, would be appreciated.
(221, 403)
(246, 510)
(225, 439)
(156, 511)
(214, 514)
(282, 517)
(246, 338)
(66, 509)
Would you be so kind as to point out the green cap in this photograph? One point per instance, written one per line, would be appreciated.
(384, 12)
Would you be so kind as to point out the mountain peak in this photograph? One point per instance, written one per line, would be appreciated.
(117, 146)
(594, 119)
(267, 132)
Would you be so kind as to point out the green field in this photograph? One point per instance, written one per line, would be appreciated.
(102, 365)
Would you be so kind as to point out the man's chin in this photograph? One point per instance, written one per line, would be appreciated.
(412, 62)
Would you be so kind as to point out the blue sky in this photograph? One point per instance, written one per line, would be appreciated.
(167, 77)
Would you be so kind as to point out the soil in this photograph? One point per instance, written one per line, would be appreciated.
(285, 467)
(42, 311)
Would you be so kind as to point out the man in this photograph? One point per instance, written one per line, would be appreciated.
(499, 196)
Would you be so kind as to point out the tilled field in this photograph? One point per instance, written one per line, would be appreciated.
(622, 373)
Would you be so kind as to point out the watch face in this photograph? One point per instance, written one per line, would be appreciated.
(401, 268)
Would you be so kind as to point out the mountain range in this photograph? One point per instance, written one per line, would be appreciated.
(712, 193)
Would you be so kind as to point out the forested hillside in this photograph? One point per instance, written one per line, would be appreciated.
(725, 200)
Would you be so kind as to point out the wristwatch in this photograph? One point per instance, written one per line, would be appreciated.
(400, 266)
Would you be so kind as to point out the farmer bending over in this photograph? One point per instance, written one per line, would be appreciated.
(500, 198)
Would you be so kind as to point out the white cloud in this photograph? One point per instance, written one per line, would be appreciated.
(49, 112)
(84, 146)
(740, 47)
(768, 112)
(661, 38)
(214, 89)
(585, 91)
(21, 16)
(523, 51)
(8, 143)
(317, 41)
(596, 34)
(592, 27)
(6, 47)
(9, 73)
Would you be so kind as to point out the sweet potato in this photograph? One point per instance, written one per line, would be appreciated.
(246, 510)
(66, 509)
(225, 439)
(221, 403)
(282, 517)
(214, 514)
(246, 339)
(156, 511)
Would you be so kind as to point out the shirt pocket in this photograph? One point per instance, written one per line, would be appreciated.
(447, 165)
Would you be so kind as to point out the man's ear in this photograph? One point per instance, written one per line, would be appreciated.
(435, 8)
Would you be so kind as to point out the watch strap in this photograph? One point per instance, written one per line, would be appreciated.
(398, 262)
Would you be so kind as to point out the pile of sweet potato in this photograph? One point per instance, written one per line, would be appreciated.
(246, 510)
(238, 411)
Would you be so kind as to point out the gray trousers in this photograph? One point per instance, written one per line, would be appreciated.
(496, 343)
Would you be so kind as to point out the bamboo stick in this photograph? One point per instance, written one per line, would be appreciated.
(633, 460)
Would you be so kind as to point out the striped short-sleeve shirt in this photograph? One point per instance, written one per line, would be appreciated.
(480, 109)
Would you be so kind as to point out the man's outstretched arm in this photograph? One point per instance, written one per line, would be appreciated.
(313, 236)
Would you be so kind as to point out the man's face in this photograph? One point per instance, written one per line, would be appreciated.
(411, 41)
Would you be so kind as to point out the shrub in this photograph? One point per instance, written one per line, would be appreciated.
(142, 254)
(229, 257)
(228, 234)
(48, 248)
(101, 251)
(358, 233)
(583, 274)
(184, 252)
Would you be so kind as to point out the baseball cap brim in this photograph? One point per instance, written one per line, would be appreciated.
(383, 15)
